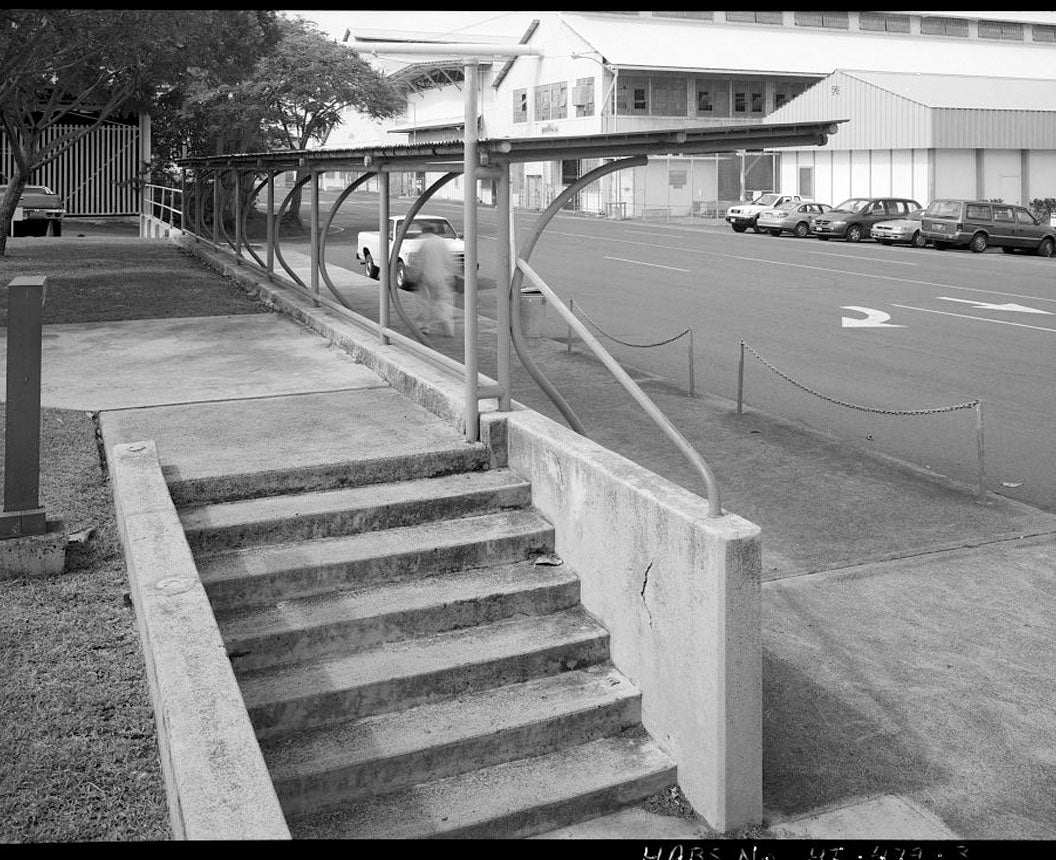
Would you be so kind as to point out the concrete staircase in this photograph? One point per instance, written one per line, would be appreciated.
(408, 669)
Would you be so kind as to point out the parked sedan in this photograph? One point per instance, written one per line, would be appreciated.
(792, 217)
(39, 212)
(900, 230)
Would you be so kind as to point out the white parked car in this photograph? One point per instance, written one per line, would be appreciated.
(367, 246)
(900, 230)
(745, 215)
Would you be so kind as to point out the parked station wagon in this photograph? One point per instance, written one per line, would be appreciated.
(978, 224)
(853, 219)
(792, 217)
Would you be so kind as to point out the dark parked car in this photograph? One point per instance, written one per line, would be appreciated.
(853, 219)
(39, 212)
(978, 224)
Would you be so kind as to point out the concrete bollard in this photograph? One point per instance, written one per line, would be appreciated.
(30, 544)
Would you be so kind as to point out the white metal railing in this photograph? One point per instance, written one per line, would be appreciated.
(661, 420)
(163, 198)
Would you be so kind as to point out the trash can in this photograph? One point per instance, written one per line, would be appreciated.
(533, 312)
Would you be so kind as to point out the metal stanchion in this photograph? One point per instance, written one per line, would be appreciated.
(979, 444)
(692, 382)
(740, 381)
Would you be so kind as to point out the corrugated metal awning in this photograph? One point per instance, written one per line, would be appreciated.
(672, 141)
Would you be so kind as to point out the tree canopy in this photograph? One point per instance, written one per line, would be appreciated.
(214, 81)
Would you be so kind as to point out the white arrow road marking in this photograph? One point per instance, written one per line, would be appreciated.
(986, 306)
(640, 263)
(981, 319)
(873, 318)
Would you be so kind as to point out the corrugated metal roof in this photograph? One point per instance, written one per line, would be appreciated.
(678, 44)
(964, 91)
(908, 111)
(713, 138)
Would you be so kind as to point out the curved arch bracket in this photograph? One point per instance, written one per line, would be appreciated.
(358, 181)
(515, 283)
(394, 256)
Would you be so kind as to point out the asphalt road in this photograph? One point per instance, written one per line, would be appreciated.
(880, 330)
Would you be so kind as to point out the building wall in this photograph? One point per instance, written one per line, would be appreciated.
(1001, 176)
(1042, 171)
(955, 173)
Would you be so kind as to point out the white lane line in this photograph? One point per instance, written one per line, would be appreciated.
(804, 266)
(654, 265)
(849, 257)
(648, 233)
(981, 319)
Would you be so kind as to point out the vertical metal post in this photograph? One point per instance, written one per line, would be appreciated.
(383, 254)
(197, 204)
(313, 234)
(692, 382)
(216, 207)
(23, 514)
(183, 198)
(238, 215)
(504, 218)
(469, 213)
(740, 380)
(979, 444)
(572, 308)
(271, 222)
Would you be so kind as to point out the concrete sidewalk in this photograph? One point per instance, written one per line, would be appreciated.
(908, 634)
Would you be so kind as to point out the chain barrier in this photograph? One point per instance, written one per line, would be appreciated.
(597, 328)
(971, 404)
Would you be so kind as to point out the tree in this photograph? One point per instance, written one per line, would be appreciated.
(57, 65)
(299, 91)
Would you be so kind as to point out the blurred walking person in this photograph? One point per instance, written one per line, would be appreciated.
(436, 268)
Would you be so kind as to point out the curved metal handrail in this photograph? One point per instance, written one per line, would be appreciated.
(662, 421)
(245, 220)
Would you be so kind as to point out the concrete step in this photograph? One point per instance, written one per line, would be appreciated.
(510, 800)
(399, 675)
(269, 574)
(314, 627)
(331, 513)
(379, 754)
(213, 488)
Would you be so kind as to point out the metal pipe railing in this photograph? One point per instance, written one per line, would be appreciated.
(662, 421)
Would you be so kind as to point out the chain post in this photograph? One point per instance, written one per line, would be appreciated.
(740, 381)
(979, 444)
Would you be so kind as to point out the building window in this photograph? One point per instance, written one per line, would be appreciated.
(756, 17)
(551, 102)
(748, 98)
(1044, 33)
(881, 23)
(785, 91)
(1001, 30)
(713, 98)
(833, 20)
(698, 16)
(640, 101)
(943, 27)
(583, 97)
(520, 105)
(668, 97)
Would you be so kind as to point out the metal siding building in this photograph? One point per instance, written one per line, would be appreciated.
(961, 136)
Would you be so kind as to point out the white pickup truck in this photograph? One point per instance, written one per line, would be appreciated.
(367, 247)
(745, 215)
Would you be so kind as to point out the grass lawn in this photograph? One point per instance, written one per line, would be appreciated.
(77, 736)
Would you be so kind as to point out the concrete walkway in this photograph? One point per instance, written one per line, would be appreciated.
(908, 634)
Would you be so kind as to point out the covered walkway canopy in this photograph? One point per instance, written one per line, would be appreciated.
(487, 159)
